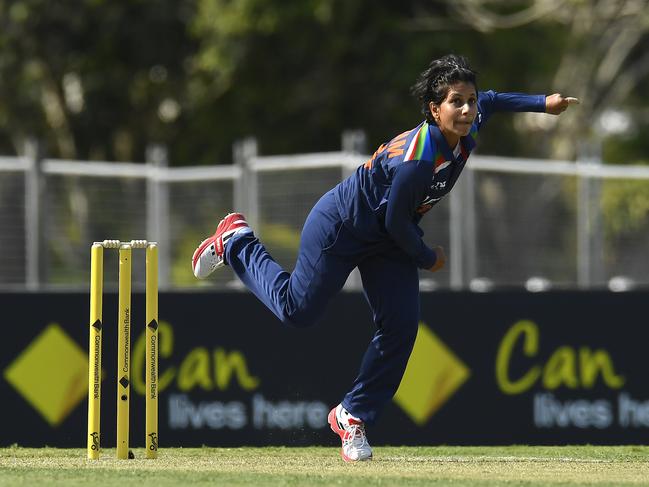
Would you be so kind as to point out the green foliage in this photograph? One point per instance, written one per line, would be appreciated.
(625, 207)
(629, 148)
(101, 80)
(281, 237)
(88, 77)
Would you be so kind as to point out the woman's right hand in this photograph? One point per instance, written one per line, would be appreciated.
(441, 259)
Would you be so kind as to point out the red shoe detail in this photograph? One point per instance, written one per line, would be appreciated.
(333, 423)
(210, 251)
(347, 436)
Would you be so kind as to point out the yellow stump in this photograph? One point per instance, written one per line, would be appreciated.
(124, 350)
(151, 440)
(123, 346)
(94, 349)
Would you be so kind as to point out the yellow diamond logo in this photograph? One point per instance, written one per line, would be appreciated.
(51, 374)
(433, 375)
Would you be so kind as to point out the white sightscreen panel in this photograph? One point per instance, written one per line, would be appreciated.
(526, 226)
(195, 208)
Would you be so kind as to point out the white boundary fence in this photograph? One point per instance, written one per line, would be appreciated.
(484, 222)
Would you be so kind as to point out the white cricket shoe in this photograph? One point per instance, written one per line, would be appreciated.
(209, 255)
(351, 430)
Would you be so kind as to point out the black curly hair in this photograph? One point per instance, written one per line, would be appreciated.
(433, 84)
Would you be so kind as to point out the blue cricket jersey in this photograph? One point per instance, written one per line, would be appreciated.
(386, 197)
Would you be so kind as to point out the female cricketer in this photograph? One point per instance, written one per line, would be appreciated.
(370, 221)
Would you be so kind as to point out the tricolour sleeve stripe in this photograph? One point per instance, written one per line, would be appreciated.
(418, 144)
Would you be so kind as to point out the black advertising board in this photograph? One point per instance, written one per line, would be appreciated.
(488, 369)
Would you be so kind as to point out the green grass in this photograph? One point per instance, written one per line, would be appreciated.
(402, 466)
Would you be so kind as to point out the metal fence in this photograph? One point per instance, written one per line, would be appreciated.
(523, 223)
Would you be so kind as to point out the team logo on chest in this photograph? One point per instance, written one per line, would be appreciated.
(438, 185)
(429, 201)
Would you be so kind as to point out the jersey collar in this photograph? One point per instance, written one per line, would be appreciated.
(467, 143)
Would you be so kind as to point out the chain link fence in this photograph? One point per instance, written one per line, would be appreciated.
(508, 223)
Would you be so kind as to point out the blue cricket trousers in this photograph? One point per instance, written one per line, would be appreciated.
(328, 253)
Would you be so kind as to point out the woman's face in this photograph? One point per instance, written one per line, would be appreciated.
(457, 111)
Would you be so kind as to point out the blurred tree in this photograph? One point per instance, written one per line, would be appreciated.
(296, 75)
(92, 78)
(99, 80)
(604, 58)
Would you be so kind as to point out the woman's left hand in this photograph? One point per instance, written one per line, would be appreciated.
(556, 104)
(440, 261)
